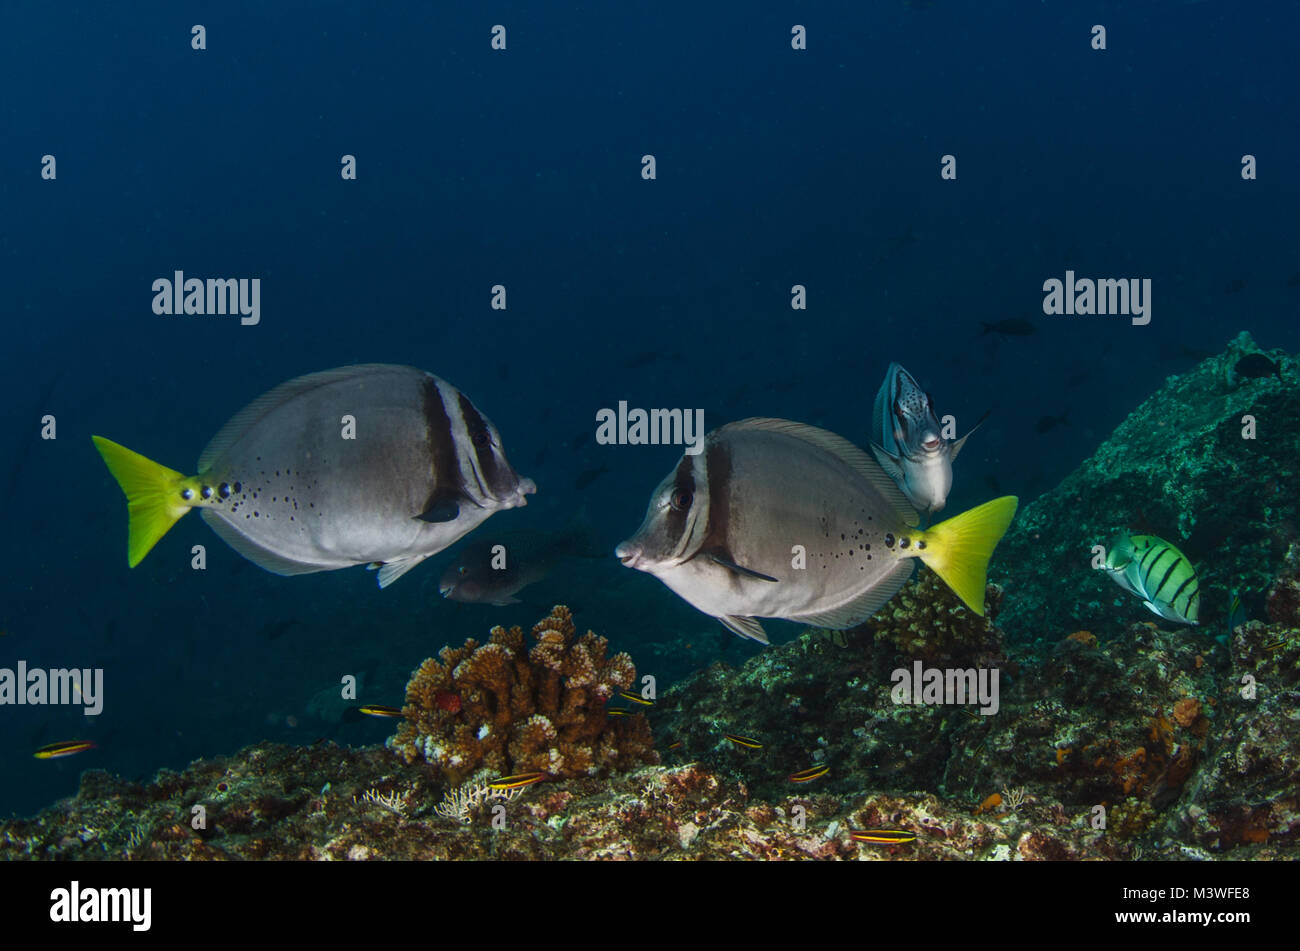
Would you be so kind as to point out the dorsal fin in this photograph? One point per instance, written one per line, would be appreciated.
(254, 412)
(840, 447)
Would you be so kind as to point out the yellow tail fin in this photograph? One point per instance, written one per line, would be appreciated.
(959, 549)
(153, 496)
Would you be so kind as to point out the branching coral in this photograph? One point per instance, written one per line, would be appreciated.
(517, 710)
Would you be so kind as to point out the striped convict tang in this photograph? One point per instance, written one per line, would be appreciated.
(374, 464)
(780, 519)
(1158, 573)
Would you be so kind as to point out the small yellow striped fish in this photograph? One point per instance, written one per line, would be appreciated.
(616, 712)
(1158, 573)
(745, 741)
(66, 748)
(517, 781)
(379, 710)
(811, 773)
(882, 836)
(636, 698)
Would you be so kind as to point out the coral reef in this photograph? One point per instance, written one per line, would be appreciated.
(1183, 746)
(290, 803)
(1177, 467)
(506, 709)
(926, 621)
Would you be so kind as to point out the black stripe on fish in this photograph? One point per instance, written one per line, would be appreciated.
(480, 436)
(1156, 565)
(1151, 569)
(717, 533)
(1165, 580)
(1190, 579)
(443, 503)
(1150, 550)
(678, 519)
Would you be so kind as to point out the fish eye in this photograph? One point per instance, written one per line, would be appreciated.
(481, 438)
(681, 499)
(461, 569)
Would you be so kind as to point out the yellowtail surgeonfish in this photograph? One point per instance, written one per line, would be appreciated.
(1158, 573)
(779, 519)
(373, 465)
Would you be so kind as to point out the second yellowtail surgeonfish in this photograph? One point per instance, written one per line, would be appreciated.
(779, 519)
(1158, 573)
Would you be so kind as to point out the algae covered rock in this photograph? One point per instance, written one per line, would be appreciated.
(1208, 462)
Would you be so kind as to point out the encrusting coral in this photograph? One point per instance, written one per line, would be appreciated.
(926, 621)
(504, 708)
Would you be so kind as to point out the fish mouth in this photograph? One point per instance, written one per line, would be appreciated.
(629, 553)
(525, 488)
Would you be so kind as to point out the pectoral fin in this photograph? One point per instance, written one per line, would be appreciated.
(956, 446)
(445, 510)
(726, 562)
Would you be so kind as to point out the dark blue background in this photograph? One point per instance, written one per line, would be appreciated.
(775, 167)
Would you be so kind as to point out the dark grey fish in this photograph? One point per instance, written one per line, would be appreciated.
(1256, 366)
(1010, 327)
(374, 464)
(495, 568)
(1046, 424)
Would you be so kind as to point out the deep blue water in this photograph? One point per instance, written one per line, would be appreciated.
(522, 167)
